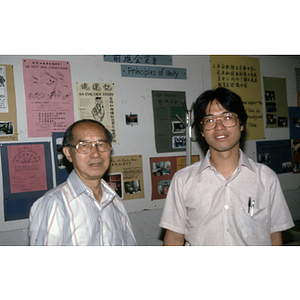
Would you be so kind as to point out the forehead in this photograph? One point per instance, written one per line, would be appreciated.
(88, 131)
(215, 107)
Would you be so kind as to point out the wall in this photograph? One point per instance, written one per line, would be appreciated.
(134, 95)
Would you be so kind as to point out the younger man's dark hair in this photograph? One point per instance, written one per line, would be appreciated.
(228, 99)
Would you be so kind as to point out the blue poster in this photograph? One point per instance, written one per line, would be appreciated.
(275, 154)
(294, 117)
(27, 176)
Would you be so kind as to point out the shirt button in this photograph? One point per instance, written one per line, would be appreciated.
(227, 230)
(226, 206)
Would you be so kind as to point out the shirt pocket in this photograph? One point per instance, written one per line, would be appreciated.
(253, 230)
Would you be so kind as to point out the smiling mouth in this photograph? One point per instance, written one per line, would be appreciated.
(96, 164)
(220, 137)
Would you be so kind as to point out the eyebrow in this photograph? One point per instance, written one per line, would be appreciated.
(102, 140)
(223, 113)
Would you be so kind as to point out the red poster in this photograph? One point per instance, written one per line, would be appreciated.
(162, 171)
(27, 169)
(49, 96)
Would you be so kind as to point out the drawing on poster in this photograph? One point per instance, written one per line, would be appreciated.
(97, 101)
(49, 96)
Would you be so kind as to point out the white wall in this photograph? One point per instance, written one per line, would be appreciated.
(134, 95)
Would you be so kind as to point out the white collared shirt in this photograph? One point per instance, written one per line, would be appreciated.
(70, 215)
(210, 210)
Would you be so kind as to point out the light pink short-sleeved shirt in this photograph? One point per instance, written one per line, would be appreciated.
(210, 210)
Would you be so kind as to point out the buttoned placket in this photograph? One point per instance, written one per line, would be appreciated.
(227, 207)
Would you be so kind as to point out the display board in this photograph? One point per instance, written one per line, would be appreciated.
(132, 114)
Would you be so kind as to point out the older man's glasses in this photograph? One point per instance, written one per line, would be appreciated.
(86, 147)
(227, 119)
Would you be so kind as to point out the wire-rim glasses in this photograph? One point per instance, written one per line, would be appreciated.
(227, 119)
(85, 147)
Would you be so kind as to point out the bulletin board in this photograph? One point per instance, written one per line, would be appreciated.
(135, 79)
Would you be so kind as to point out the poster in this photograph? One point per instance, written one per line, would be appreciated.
(162, 171)
(97, 101)
(140, 59)
(125, 176)
(49, 96)
(276, 155)
(3, 91)
(296, 155)
(277, 113)
(294, 122)
(241, 74)
(62, 166)
(298, 85)
(8, 107)
(170, 135)
(28, 170)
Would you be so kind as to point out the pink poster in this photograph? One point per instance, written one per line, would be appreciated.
(27, 169)
(49, 96)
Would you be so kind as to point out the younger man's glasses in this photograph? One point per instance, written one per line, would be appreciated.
(86, 147)
(227, 119)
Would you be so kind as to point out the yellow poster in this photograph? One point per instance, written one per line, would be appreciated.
(241, 74)
(8, 108)
(126, 176)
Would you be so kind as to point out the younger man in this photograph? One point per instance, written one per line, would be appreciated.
(226, 198)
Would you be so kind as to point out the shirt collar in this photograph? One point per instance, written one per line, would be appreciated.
(243, 161)
(76, 183)
(79, 187)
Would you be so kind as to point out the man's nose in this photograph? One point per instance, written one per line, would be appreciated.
(95, 151)
(219, 125)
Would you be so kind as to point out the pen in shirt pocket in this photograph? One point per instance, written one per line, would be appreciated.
(251, 204)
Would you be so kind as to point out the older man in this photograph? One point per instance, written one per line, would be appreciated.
(84, 210)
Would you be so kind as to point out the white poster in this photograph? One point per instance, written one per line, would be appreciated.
(97, 101)
(3, 91)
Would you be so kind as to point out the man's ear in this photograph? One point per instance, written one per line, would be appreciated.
(67, 154)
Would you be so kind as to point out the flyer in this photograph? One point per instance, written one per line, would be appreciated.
(125, 176)
(49, 96)
(27, 170)
(97, 101)
(162, 171)
(241, 74)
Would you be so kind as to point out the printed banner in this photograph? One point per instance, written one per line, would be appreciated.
(140, 59)
(153, 72)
